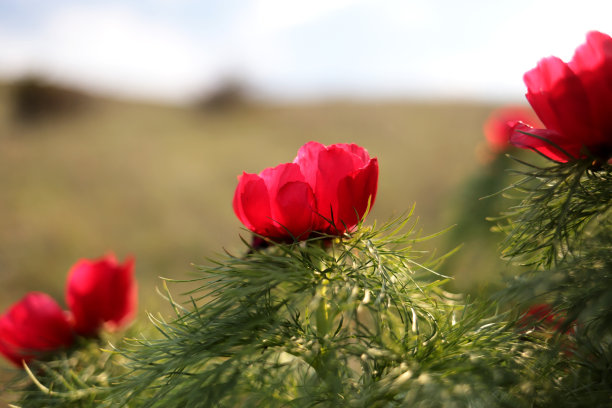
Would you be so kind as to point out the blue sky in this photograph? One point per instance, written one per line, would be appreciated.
(175, 49)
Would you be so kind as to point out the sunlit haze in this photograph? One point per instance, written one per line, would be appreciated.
(175, 50)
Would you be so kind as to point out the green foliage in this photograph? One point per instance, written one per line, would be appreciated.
(356, 321)
(77, 378)
(557, 205)
(364, 321)
(580, 287)
(563, 230)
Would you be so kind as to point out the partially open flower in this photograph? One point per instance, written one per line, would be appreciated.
(101, 292)
(574, 101)
(325, 189)
(32, 327)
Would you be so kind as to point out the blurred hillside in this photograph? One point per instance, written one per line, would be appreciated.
(157, 181)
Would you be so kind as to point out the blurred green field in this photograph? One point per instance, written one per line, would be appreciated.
(157, 181)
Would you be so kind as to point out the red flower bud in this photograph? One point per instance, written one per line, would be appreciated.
(101, 292)
(33, 326)
(344, 180)
(574, 101)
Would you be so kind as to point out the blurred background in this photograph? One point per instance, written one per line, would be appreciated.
(124, 124)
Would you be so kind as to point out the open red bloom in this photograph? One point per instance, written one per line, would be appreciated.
(33, 326)
(499, 125)
(100, 293)
(574, 101)
(344, 179)
(325, 189)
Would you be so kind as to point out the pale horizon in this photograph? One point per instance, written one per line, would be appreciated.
(174, 51)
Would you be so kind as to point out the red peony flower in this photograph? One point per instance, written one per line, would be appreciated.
(541, 316)
(539, 313)
(499, 126)
(325, 189)
(101, 292)
(33, 326)
(344, 180)
(574, 101)
(276, 203)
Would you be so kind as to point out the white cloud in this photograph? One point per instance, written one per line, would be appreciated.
(15, 54)
(272, 16)
(539, 29)
(293, 47)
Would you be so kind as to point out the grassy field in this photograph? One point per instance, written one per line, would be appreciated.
(157, 181)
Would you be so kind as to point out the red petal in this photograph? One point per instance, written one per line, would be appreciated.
(295, 209)
(255, 204)
(82, 297)
(308, 160)
(289, 198)
(276, 177)
(360, 155)
(355, 193)
(101, 292)
(124, 295)
(334, 165)
(592, 63)
(558, 97)
(237, 203)
(545, 141)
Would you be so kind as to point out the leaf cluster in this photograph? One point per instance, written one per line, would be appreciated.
(358, 321)
(78, 378)
(558, 205)
(363, 320)
(563, 229)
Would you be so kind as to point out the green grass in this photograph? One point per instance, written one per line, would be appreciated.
(157, 181)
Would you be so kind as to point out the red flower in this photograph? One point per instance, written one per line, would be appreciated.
(325, 189)
(541, 316)
(277, 203)
(539, 313)
(574, 101)
(499, 126)
(344, 180)
(34, 325)
(101, 292)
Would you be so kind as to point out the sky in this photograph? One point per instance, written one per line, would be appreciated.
(175, 50)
